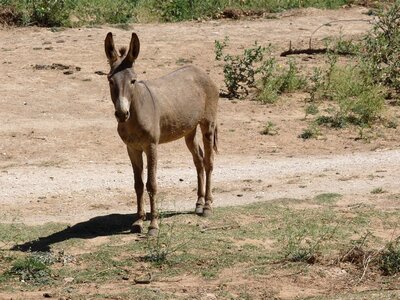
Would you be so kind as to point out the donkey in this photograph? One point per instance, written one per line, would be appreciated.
(159, 111)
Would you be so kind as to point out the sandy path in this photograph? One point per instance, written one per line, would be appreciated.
(76, 193)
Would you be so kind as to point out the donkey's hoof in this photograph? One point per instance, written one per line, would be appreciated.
(137, 228)
(153, 232)
(199, 210)
(207, 212)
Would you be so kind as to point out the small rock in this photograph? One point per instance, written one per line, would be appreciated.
(47, 295)
(68, 279)
(100, 73)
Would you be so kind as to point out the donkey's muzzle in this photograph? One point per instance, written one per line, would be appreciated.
(122, 116)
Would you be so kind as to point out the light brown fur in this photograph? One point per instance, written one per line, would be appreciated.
(159, 111)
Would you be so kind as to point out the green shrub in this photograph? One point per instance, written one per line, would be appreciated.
(42, 12)
(382, 48)
(240, 73)
(311, 109)
(356, 98)
(359, 100)
(390, 259)
(102, 11)
(34, 268)
(240, 70)
(276, 80)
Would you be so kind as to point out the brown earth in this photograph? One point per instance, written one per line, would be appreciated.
(61, 159)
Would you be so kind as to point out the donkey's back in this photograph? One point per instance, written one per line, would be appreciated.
(184, 98)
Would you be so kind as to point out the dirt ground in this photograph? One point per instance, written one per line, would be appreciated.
(61, 159)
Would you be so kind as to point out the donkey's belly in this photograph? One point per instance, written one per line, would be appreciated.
(172, 132)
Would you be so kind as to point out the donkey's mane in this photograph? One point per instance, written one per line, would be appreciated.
(122, 51)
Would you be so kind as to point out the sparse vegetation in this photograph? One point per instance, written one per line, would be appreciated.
(32, 268)
(204, 249)
(270, 129)
(73, 13)
(312, 131)
(276, 80)
(357, 100)
(378, 190)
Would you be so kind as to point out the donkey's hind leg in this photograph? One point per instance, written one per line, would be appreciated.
(197, 153)
(208, 131)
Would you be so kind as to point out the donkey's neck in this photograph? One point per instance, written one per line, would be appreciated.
(143, 103)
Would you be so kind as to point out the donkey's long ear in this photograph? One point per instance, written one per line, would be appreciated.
(134, 48)
(109, 47)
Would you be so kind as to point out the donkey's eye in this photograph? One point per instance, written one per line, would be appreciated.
(133, 81)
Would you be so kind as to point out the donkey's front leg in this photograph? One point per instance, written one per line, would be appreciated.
(151, 185)
(136, 157)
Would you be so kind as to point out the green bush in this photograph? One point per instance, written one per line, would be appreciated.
(102, 11)
(276, 80)
(390, 259)
(381, 51)
(42, 12)
(357, 99)
(240, 70)
(34, 268)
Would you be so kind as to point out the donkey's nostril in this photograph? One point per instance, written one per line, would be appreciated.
(122, 116)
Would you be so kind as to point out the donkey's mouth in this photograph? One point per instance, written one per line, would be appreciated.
(122, 116)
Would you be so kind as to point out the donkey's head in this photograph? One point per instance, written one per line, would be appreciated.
(122, 77)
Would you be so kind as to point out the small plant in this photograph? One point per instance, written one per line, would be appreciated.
(275, 81)
(341, 46)
(393, 123)
(327, 198)
(301, 246)
(311, 109)
(291, 80)
(390, 258)
(219, 47)
(161, 247)
(270, 129)
(378, 191)
(34, 268)
(311, 132)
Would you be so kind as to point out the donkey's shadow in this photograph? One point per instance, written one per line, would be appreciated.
(112, 224)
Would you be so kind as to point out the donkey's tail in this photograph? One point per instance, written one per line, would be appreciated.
(215, 146)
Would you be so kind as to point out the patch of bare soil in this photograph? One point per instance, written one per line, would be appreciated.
(61, 159)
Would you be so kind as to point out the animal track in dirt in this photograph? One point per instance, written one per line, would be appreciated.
(68, 70)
